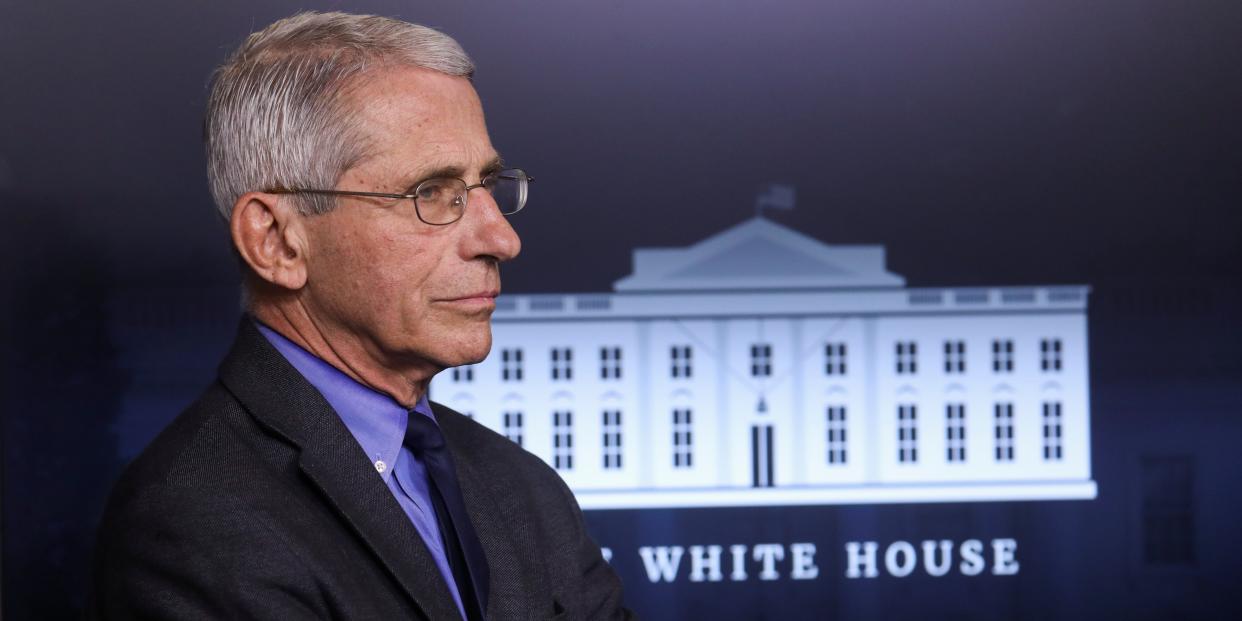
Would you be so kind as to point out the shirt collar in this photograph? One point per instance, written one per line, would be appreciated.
(375, 419)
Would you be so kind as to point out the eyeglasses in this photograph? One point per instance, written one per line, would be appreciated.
(442, 200)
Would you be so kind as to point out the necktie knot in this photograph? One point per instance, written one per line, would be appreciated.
(422, 434)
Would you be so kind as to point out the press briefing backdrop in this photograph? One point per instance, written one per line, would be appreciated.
(824, 309)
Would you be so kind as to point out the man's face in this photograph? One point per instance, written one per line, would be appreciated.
(410, 293)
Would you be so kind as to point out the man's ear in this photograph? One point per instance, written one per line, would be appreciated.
(270, 236)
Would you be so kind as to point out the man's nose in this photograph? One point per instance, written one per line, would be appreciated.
(492, 235)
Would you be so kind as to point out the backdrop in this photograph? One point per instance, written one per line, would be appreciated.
(983, 144)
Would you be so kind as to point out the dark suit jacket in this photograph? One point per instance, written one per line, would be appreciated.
(257, 502)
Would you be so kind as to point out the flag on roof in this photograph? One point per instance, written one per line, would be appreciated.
(776, 196)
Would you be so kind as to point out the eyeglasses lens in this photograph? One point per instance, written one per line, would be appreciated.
(509, 189)
(442, 200)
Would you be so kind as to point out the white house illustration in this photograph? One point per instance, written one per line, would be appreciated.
(763, 367)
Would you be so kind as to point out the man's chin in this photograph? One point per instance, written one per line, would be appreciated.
(470, 350)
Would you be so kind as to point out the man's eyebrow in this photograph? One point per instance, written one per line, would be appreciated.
(496, 164)
(440, 171)
(452, 170)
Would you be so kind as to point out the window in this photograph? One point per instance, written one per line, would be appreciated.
(836, 435)
(1050, 355)
(907, 357)
(1002, 356)
(1168, 510)
(907, 434)
(612, 439)
(761, 360)
(562, 363)
(563, 440)
(834, 359)
(955, 432)
(955, 356)
(681, 356)
(610, 363)
(683, 442)
(463, 374)
(513, 426)
(1004, 431)
(511, 365)
(1052, 431)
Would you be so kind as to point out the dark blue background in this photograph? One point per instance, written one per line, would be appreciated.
(983, 142)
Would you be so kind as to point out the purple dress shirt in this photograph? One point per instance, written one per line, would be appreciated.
(378, 423)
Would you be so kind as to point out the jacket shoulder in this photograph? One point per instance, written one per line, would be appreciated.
(208, 445)
(179, 515)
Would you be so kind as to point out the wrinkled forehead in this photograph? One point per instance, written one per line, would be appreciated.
(421, 117)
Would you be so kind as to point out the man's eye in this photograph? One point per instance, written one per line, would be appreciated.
(435, 191)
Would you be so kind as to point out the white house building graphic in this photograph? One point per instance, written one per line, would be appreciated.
(762, 367)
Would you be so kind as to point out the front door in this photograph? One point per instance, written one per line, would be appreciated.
(761, 457)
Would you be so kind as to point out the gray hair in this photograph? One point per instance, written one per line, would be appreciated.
(279, 116)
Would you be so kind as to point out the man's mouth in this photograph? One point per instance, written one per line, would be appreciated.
(479, 300)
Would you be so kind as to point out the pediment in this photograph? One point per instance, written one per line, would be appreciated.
(758, 254)
(758, 257)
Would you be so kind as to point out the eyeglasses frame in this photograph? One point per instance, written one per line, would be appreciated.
(412, 197)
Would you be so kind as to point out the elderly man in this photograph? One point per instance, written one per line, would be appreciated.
(314, 479)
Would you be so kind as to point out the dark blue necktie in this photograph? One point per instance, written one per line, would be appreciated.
(465, 554)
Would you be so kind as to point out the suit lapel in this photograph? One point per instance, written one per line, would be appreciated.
(496, 516)
(280, 399)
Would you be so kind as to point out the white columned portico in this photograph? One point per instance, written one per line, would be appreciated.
(761, 285)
